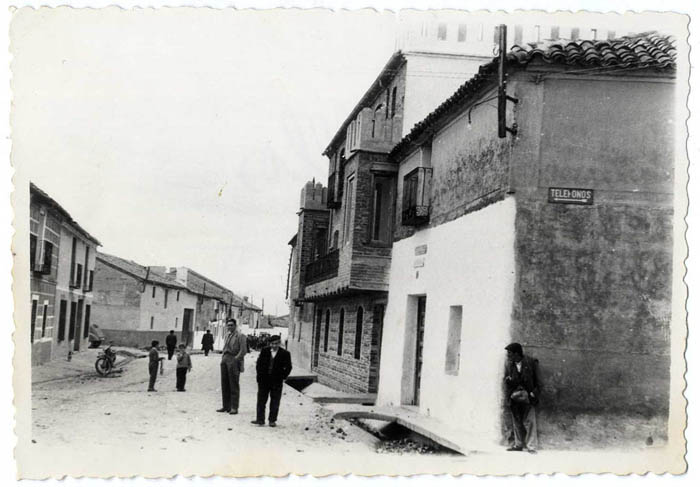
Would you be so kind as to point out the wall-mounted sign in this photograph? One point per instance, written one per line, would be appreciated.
(421, 249)
(571, 196)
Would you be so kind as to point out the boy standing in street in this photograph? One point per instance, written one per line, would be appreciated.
(153, 360)
(184, 365)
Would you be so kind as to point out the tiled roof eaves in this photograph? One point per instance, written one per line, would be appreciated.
(131, 269)
(644, 51)
(33, 188)
(389, 71)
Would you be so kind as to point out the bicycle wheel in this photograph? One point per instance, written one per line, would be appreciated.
(103, 366)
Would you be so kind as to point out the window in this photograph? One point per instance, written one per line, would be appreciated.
(153, 292)
(74, 249)
(35, 303)
(91, 280)
(43, 319)
(320, 238)
(326, 330)
(78, 275)
(301, 327)
(415, 208)
(86, 329)
(177, 296)
(335, 239)
(375, 121)
(176, 321)
(349, 209)
(454, 341)
(462, 33)
(358, 332)
(151, 322)
(85, 266)
(341, 334)
(63, 308)
(393, 102)
(165, 298)
(381, 209)
(442, 31)
(32, 252)
(48, 258)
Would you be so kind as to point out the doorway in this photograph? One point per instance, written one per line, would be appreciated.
(413, 350)
(186, 326)
(317, 338)
(78, 324)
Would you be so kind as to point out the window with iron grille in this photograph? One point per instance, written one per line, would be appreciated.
(415, 209)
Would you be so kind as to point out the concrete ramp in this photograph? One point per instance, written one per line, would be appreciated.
(323, 394)
(449, 435)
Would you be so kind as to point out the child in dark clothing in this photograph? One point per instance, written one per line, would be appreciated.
(184, 365)
(153, 361)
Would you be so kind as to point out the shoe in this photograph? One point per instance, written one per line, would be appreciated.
(151, 390)
(222, 410)
(259, 423)
(233, 411)
(515, 448)
(273, 424)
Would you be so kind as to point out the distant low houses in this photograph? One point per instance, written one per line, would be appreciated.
(135, 304)
(62, 261)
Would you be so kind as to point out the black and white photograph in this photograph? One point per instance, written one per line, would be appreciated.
(262, 242)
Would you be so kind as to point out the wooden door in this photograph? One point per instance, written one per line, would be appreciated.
(420, 329)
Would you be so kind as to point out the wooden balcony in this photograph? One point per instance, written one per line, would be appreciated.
(321, 269)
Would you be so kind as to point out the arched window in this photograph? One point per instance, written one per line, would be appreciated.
(358, 332)
(375, 120)
(327, 330)
(341, 324)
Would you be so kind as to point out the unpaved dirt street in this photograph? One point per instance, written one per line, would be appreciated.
(88, 423)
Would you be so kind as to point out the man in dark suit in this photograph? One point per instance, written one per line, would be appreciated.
(232, 362)
(207, 343)
(273, 366)
(522, 395)
(171, 343)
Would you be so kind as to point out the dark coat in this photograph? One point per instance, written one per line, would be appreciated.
(208, 341)
(527, 378)
(171, 341)
(281, 367)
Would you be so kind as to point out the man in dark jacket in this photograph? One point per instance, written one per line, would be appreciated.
(171, 343)
(207, 343)
(273, 366)
(522, 395)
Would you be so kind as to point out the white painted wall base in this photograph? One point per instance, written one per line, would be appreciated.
(470, 262)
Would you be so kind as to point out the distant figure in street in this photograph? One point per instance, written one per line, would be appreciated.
(184, 365)
(153, 360)
(171, 343)
(522, 394)
(234, 351)
(207, 343)
(273, 366)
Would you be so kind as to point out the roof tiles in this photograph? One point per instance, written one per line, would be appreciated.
(644, 51)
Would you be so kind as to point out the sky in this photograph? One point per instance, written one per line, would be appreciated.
(184, 140)
(182, 137)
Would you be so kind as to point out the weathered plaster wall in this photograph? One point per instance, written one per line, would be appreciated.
(117, 298)
(593, 294)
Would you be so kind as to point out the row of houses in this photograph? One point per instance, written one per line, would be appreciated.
(530, 200)
(75, 287)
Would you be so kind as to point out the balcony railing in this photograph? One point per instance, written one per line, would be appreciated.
(324, 268)
(415, 215)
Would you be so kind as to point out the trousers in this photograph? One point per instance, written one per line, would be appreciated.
(273, 390)
(524, 418)
(230, 389)
(171, 351)
(153, 373)
(181, 378)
